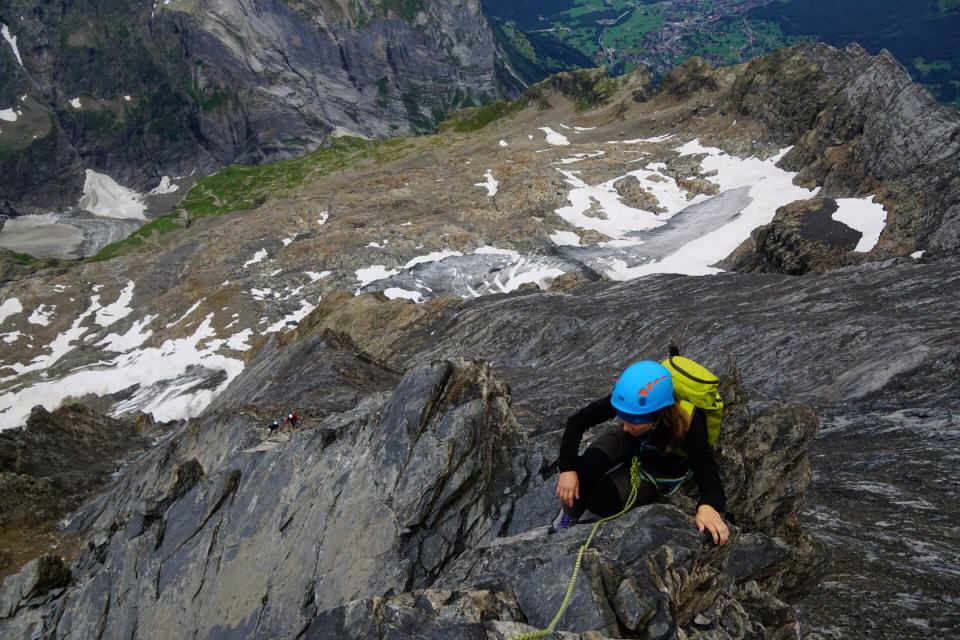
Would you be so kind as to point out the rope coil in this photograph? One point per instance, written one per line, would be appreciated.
(550, 628)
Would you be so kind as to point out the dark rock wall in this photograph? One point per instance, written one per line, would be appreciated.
(215, 82)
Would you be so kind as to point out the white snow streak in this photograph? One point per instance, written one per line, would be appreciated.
(431, 257)
(863, 215)
(165, 186)
(292, 318)
(41, 315)
(8, 114)
(9, 307)
(394, 293)
(186, 313)
(554, 138)
(374, 273)
(491, 184)
(259, 256)
(109, 314)
(103, 197)
(133, 338)
(12, 40)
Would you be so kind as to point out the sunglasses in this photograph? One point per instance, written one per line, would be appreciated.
(637, 418)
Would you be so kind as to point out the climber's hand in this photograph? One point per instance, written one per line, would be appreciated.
(710, 521)
(568, 487)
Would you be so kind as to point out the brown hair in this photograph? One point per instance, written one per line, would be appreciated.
(676, 422)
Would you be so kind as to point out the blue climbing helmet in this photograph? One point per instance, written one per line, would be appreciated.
(643, 389)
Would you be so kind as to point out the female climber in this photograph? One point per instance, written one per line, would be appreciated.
(670, 443)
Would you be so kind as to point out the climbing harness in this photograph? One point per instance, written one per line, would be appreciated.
(665, 487)
(635, 473)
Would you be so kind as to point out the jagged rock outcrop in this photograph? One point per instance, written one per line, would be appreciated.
(49, 467)
(860, 126)
(802, 238)
(381, 518)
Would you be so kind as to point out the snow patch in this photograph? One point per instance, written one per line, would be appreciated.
(322, 218)
(292, 318)
(61, 346)
(374, 273)
(491, 184)
(503, 143)
(186, 313)
(165, 377)
(127, 98)
(8, 114)
(863, 215)
(259, 256)
(11, 337)
(165, 186)
(133, 338)
(41, 315)
(238, 341)
(314, 276)
(488, 250)
(75, 103)
(343, 132)
(577, 129)
(617, 218)
(565, 238)
(109, 314)
(431, 257)
(394, 293)
(103, 197)
(12, 41)
(655, 139)
(554, 138)
(769, 188)
(9, 307)
(511, 279)
(917, 254)
(577, 157)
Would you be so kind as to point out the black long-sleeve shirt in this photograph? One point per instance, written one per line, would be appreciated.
(655, 461)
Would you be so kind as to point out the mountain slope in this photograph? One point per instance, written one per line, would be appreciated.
(548, 237)
(138, 91)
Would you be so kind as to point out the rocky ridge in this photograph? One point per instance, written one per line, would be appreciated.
(215, 298)
(404, 493)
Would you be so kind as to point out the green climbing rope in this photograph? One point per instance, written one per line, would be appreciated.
(635, 472)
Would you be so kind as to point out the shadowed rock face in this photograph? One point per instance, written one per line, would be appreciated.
(802, 237)
(51, 466)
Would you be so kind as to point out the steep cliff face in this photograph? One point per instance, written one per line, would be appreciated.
(139, 90)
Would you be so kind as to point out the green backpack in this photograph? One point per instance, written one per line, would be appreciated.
(697, 387)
